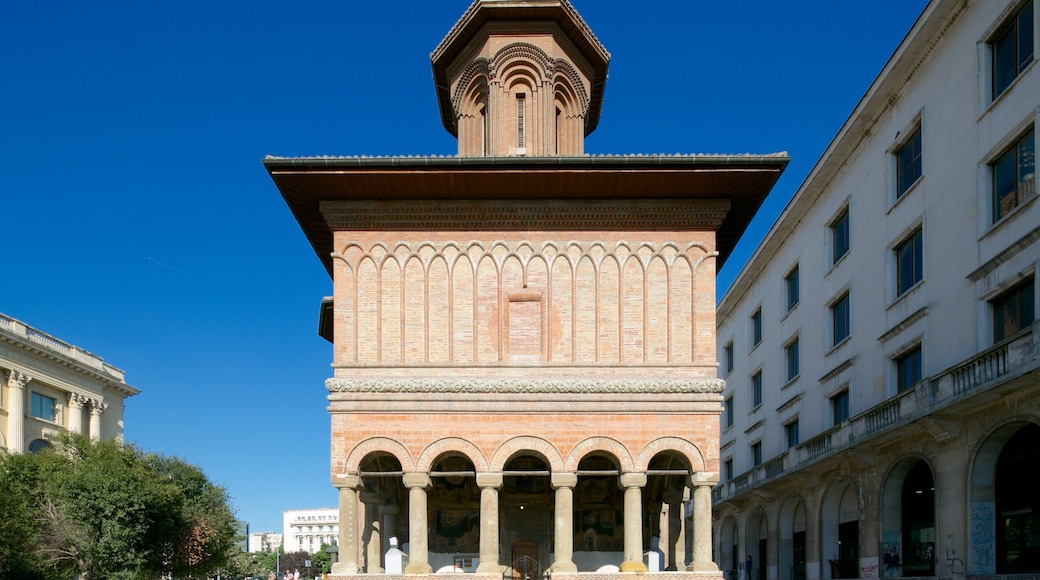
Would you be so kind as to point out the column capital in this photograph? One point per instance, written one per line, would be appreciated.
(704, 478)
(343, 481)
(492, 480)
(18, 379)
(417, 480)
(78, 401)
(559, 480)
(628, 480)
(97, 407)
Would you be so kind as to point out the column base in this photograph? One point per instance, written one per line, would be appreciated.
(567, 566)
(704, 566)
(418, 568)
(633, 567)
(345, 568)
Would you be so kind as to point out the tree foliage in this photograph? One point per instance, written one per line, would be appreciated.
(111, 511)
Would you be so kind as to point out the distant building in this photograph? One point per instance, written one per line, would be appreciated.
(48, 386)
(307, 530)
(880, 348)
(242, 535)
(264, 542)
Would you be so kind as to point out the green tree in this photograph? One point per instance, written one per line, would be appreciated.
(18, 522)
(110, 511)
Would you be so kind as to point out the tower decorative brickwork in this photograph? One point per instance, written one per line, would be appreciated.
(524, 336)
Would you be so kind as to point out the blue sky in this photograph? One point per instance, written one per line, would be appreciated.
(139, 224)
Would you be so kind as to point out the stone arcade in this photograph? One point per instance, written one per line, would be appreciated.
(524, 336)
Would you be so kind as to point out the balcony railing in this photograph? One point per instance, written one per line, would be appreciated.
(50, 345)
(990, 368)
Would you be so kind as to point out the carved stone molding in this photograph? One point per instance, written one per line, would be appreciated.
(551, 386)
(97, 407)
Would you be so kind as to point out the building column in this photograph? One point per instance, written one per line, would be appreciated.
(418, 539)
(97, 407)
(16, 382)
(489, 484)
(348, 524)
(701, 482)
(672, 531)
(371, 538)
(76, 404)
(633, 485)
(564, 484)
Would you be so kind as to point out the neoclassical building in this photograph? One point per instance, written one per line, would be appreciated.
(880, 349)
(49, 386)
(524, 371)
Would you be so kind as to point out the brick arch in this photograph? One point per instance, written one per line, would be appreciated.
(536, 444)
(604, 444)
(688, 450)
(448, 445)
(384, 444)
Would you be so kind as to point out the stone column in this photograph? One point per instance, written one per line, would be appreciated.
(633, 485)
(418, 542)
(489, 484)
(564, 484)
(388, 515)
(701, 483)
(675, 541)
(96, 409)
(372, 538)
(16, 382)
(76, 404)
(348, 524)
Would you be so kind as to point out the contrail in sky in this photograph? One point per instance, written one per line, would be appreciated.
(168, 267)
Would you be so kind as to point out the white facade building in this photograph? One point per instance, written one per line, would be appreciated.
(308, 529)
(264, 542)
(48, 386)
(880, 348)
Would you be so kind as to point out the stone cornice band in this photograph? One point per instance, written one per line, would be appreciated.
(557, 386)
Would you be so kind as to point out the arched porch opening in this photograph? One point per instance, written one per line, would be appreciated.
(384, 505)
(908, 520)
(527, 513)
(664, 507)
(728, 550)
(598, 514)
(454, 515)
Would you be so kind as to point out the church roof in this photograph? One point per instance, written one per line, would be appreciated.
(742, 180)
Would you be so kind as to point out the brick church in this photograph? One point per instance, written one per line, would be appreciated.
(524, 374)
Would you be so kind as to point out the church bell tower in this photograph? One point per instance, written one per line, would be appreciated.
(520, 78)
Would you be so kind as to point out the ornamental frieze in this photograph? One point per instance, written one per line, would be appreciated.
(526, 386)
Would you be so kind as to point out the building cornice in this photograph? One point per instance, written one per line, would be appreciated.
(526, 386)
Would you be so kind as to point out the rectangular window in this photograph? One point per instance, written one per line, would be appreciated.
(728, 469)
(1012, 49)
(791, 433)
(840, 327)
(756, 327)
(840, 407)
(908, 163)
(756, 454)
(1014, 176)
(521, 99)
(1013, 311)
(727, 352)
(791, 350)
(909, 263)
(42, 407)
(840, 236)
(791, 281)
(756, 389)
(728, 411)
(908, 369)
